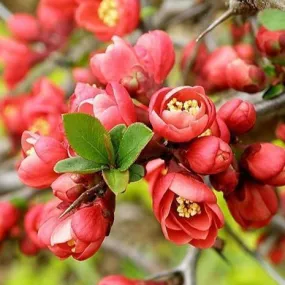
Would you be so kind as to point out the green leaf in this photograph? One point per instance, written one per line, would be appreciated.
(116, 136)
(78, 165)
(272, 19)
(133, 142)
(273, 92)
(116, 180)
(88, 138)
(136, 172)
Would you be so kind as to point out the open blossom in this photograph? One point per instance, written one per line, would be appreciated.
(121, 280)
(250, 78)
(69, 186)
(106, 18)
(186, 209)
(81, 233)
(253, 204)
(40, 154)
(239, 116)
(209, 155)
(112, 106)
(9, 216)
(265, 162)
(144, 68)
(225, 181)
(181, 114)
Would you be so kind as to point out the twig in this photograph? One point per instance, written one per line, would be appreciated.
(5, 14)
(254, 254)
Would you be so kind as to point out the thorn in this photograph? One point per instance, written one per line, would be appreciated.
(217, 22)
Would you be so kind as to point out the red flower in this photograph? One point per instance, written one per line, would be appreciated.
(239, 31)
(121, 280)
(83, 75)
(239, 116)
(280, 131)
(250, 78)
(265, 162)
(209, 155)
(9, 216)
(69, 186)
(219, 129)
(186, 209)
(112, 107)
(106, 18)
(181, 114)
(80, 234)
(245, 52)
(27, 247)
(213, 71)
(32, 222)
(225, 181)
(40, 154)
(252, 204)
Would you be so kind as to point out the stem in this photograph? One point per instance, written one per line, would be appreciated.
(254, 254)
(5, 14)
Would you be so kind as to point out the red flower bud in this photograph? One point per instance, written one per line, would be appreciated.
(239, 116)
(213, 71)
(186, 209)
(40, 154)
(225, 181)
(121, 280)
(219, 129)
(24, 27)
(239, 31)
(209, 155)
(181, 114)
(79, 234)
(69, 186)
(280, 131)
(245, 52)
(9, 216)
(250, 78)
(112, 107)
(252, 204)
(265, 162)
(108, 17)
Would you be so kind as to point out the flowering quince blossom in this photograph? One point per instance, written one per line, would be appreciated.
(253, 204)
(145, 67)
(186, 208)
(106, 18)
(112, 106)
(181, 114)
(239, 116)
(80, 234)
(40, 154)
(280, 131)
(9, 216)
(209, 155)
(258, 156)
(121, 280)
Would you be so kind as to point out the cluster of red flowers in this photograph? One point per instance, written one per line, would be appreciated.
(217, 71)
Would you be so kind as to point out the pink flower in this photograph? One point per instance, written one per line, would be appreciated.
(80, 234)
(106, 18)
(40, 154)
(181, 114)
(209, 155)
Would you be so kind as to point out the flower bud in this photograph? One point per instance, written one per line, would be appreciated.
(219, 129)
(239, 116)
(253, 205)
(121, 280)
(225, 181)
(9, 216)
(209, 155)
(245, 52)
(27, 247)
(280, 131)
(249, 78)
(265, 162)
(239, 31)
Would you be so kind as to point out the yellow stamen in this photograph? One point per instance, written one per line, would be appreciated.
(190, 106)
(31, 151)
(10, 111)
(108, 12)
(208, 132)
(41, 126)
(187, 208)
(71, 243)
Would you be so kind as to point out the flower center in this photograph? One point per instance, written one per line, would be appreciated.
(190, 106)
(208, 132)
(30, 151)
(108, 12)
(10, 111)
(41, 126)
(187, 208)
(71, 243)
